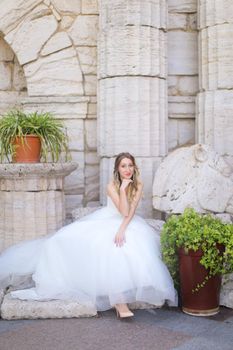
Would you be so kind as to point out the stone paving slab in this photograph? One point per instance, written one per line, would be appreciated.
(152, 329)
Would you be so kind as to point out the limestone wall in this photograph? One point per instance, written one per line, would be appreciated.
(55, 44)
(182, 71)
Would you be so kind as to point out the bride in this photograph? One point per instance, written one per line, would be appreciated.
(110, 257)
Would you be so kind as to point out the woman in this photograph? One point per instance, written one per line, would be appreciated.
(110, 257)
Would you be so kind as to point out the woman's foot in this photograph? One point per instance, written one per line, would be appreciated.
(123, 311)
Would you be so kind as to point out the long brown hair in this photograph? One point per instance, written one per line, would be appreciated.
(133, 186)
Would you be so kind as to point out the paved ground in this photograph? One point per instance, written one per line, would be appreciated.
(159, 329)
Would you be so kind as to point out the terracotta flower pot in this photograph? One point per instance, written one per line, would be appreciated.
(204, 302)
(27, 150)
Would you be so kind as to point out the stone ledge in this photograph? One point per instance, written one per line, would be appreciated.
(13, 309)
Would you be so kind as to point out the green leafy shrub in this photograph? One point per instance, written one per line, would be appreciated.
(51, 132)
(193, 231)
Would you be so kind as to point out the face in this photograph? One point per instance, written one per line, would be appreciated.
(126, 168)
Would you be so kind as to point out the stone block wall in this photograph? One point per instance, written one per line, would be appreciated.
(12, 80)
(182, 71)
(55, 43)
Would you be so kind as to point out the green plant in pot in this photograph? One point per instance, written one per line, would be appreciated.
(198, 250)
(28, 137)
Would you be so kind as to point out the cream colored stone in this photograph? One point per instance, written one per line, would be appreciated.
(56, 74)
(182, 59)
(19, 81)
(8, 99)
(12, 11)
(182, 85)
(172, 133)
(216, 57)
(132, 13)
(214, 120)
(91, 134)
(6, 53)
(143, 306)
(186, 132)
(2, 294)
(57, 42)
(195, 177)
(5, 74)
(68, 6)
(63, 107)
(74, 183)
(75, 131)
(92, 158)
(226, 294)
(88, 59)
(66, 22)
(182, 6)
(90, 7)
(132, 51)
(130, 120)
(32, 199)
(13, 309)
(92, 110)
(177, 21)
(181, 107)
(91, 183)
(72, 202)
(29, 37)
(90, 85)
(212, 12)
(84, 30)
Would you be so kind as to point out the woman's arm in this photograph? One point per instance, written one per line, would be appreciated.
(120, 236)
(120, 200)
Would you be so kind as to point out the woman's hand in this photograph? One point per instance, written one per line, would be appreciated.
(119, 239)
(125, 183)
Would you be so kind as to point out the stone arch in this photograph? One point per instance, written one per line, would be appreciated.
(56, 45)
(13, 82)
(44, 49)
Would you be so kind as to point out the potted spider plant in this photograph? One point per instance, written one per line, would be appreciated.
(29, 137)
(198, 250)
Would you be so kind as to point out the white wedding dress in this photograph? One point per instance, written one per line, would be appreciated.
(82, 262)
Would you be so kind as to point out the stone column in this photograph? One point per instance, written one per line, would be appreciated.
(215, 99)
(31, 200)
(132, 99)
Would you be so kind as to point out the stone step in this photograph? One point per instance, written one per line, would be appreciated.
(13, 309)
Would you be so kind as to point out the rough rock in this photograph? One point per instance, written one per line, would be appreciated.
(193, 176)
(13, 309)
(226, 295)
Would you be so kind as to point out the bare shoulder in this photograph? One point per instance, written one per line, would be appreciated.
(111, 187)
(140, 186)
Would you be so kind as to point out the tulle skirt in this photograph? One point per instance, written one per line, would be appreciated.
(82, 262)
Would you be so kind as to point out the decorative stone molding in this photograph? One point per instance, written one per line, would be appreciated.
(195, 177)
(32, 200)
